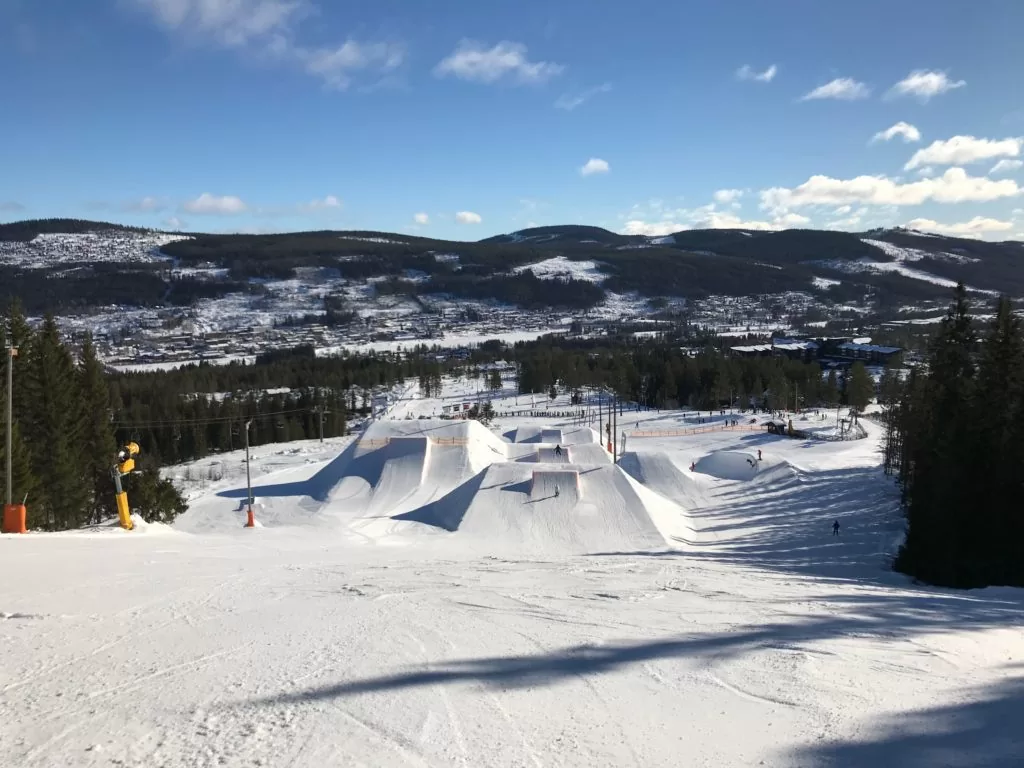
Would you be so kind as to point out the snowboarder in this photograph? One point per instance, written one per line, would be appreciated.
(558, 451)
(758, 454)
(835, 528)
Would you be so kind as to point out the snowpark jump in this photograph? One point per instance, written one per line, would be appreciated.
(432, 593)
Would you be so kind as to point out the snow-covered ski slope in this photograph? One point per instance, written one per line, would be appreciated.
(420, 595)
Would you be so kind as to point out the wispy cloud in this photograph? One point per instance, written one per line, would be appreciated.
(269, 29)
(328, 203)
(906, 130)
(976, 227)
(962, 150)
(728, 195)
(747, 73)
(473, 62)
(923, 84)
(174, 223)
(842, 88)
(146, 204)
(594, 165)
(11, 206)
(421, 218)
(569, 102)
(468, 217)
(207, 204)
(1006, 166)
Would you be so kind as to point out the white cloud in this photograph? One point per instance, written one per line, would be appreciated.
(421, 218)
(961, 150)
(174, 222)
(652, 228)
(843, 88)
(336, 65)
(468, 217)
(1006, 166)
(976, 227)
(842, 210)
(11, 206)
(926, 172)
(471, 61)
(923, 84)
(268, 29)
(328, 203)
(906, 130)
(705, 217)
(595, 165)
(954, 186)
(146, 204)
(728, 195)
(570, 102)
(746, 73)
(233, 23)
(212, 204)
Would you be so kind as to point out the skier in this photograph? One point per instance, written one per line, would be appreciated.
(558, 450)
(758, 454)
(835, 528)
(556, 491)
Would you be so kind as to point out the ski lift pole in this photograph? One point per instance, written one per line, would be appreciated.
(250, 518)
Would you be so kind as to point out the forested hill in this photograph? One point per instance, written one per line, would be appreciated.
(568, 267)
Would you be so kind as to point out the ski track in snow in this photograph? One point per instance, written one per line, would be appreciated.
(339, 635)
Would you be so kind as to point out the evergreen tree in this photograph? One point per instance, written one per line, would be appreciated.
(56, 419)
(860, 387)
(24, 483)
(97, 436)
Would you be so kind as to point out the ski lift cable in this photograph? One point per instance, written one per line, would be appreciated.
(129, 424)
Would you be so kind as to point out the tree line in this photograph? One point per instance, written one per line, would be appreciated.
(63, 436)
(955, 439)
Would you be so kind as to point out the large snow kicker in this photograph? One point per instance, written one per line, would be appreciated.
(729, 465)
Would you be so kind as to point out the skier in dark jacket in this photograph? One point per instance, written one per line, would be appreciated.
(558, 450)
(835, 528)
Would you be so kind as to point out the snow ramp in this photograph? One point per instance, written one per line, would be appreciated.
(512, 507)
(550, 455)
(657, 471)
(555, 483)
(554, 436)
(729, 465)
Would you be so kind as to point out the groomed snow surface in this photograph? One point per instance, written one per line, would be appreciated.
(438, 593)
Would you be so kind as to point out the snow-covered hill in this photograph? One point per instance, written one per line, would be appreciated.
(419, 594)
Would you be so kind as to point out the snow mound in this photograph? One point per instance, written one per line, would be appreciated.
(513, 507)
(729, 465)
(555, 436)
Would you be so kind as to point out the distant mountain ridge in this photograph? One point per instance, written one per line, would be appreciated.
(887, 267)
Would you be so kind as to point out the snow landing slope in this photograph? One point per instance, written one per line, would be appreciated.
(410, 479)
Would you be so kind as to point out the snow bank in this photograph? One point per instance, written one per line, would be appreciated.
(729, 465)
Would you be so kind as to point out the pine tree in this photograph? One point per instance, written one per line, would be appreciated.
(56, 430)
(97, 436)
(860, 387)
(24, 483)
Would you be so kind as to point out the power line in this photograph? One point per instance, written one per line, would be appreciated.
(204, 420)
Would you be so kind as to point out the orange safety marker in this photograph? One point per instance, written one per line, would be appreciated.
(14, 518)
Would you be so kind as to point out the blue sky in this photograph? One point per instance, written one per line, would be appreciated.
(462, 119)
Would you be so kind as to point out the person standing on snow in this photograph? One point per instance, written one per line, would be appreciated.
(758, 454)
(835, 528)
(558, 450)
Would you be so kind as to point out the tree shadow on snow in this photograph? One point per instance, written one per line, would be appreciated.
(987, 724)
(983, 731)
(784, 523)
